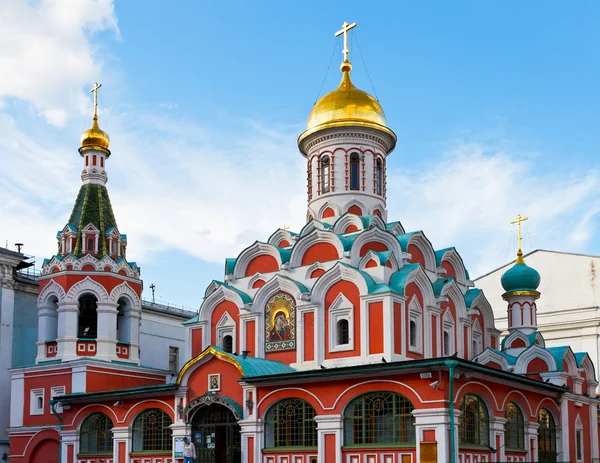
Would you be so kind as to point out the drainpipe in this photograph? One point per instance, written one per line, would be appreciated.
(451, 364)
(60, 420)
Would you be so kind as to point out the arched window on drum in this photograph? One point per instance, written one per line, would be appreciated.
(354, 171)
(379, 177)
(379, 418)
(291, 423)
(325, 174)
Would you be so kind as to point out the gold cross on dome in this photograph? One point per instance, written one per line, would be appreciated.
(285, 227)
(518, 221)
(345, 28)
(95, 92)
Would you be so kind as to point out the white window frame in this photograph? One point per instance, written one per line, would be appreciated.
(415, 314)
(341, 309)
(56, 391)
(226, 326)
(34, 395)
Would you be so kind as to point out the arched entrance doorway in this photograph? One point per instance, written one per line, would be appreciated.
(45, 452)
(216, 435)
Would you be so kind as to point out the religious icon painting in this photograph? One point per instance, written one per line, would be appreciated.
(214, 382)
(280, 323)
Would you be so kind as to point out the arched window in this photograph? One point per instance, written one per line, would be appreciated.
(354, 171)
(379, 177)
(151, 431)
(95, 435)
(514, 428)
(446, 343)
(228, 343)
(474, 428)
(40, 403)
(412, 334)
(290, 423)
(88, 317)
(379, 418)
(546, 437)
(343, 332)
(325, 174)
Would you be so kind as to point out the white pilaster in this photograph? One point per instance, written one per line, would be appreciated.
(327, 425)
(17, 396)
(121, 435)
(497, 431)
(68, 314)
(106, 339)
(438, 420)
(564, 430)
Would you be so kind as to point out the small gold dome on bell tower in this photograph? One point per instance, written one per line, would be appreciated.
(95, 137)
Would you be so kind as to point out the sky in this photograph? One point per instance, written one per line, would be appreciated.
(496, 106)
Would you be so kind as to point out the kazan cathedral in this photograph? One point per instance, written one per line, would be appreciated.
(351, 340)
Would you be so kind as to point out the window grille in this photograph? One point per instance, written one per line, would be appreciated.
(88, 317)
(173, 359)
(151, 432)
(291, 423)
(413, 333)
(95, 435)
(325, 175)
(354, 172)
(379, 418)
(343, 332)
(546, 437)
(228, 343)
(379, 177)
(514, 428)
(474, 428)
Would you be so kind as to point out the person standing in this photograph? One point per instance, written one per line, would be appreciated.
(189, 451)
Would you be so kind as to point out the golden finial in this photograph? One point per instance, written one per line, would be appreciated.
(518, 221)
(95, 92)
(95, 137)
(344, 30)
(285, 227)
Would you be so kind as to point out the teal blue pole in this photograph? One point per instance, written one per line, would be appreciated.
(451, 365)
(60, 420)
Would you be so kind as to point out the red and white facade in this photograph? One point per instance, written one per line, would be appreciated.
(373, 340)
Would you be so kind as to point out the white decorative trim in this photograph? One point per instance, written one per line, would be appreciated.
(448, 326)
(341, 309)
(87, 286)
(125, 290)
(315, 237)
(250, 253)
(57, 391)
(531, 353)
(453, 258)
(415, 314)
(311, 226)
(488, 355)
(373, 235)
(222, 293)
(328, 204)
(345, 221)
(335, 274)
(419, 240)
(51, 289)
(34, 396)
(316, 266)
(357, 203)
(226, 327)
(279, 236)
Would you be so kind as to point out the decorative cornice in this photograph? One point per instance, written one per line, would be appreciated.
(534, 294)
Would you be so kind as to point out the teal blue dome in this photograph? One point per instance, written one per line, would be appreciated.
(520, 277)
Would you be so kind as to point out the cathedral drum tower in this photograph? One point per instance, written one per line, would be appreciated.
(346, 143)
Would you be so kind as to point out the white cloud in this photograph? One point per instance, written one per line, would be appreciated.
(46, 55)
(468, 198)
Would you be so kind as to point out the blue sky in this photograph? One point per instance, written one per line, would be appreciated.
(495, 105)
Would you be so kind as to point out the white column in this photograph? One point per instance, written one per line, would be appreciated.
(594, 432)
(134, 335)
(438, 420)
(68, 315)
(121, 435)
(564, 430)
(7, 306)
(497, 430)
(47, 329)
(17, 396)
(327, 425)
(69, 439)
(255, 429)
(531, 440)
(106, 340)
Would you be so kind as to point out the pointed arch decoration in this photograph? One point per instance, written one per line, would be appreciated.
(51, 289)
(87, 285)
(210, 399)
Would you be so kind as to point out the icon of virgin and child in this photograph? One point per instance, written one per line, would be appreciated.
(280, 329)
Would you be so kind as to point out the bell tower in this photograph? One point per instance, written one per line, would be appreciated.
(90, 295)
(346, 143)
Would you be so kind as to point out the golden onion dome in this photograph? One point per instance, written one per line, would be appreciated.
(346, 104)
(95, 138)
